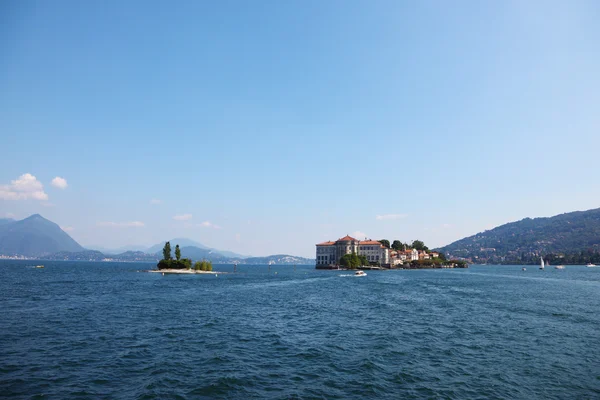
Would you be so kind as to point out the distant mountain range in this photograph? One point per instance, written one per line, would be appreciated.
(33, 237)
(157, 249)
(571, 238)
(37, 237)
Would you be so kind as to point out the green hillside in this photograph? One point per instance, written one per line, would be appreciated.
(571, 238)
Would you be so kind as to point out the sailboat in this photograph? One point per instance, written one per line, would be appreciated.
(541, 263)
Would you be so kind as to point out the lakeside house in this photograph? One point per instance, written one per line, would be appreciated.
(329, 253)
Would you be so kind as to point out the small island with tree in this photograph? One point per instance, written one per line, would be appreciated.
(179, 265)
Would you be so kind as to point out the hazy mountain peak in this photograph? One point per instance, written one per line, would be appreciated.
(34, 236)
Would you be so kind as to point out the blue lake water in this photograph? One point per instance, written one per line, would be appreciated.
(105, 330)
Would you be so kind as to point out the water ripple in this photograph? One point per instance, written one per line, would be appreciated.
(86, 330)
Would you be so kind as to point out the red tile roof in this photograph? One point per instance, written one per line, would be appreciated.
(326, 244)
(347, 239)
(375, 242)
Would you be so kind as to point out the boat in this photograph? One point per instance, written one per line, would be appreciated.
(541, 263)
(590, 265)
(360, 273)
(559, 267)
(39, 266)
(523, 269)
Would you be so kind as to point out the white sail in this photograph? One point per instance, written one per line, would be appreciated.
(541, 263)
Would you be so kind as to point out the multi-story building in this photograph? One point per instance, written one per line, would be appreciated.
(329, 253)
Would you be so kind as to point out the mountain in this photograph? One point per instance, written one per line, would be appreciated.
(573, 237)
(34, 236)
(182, 242)
(118, 250)
(278, 259)
(38, 237)
(196, 253)
(6, 221)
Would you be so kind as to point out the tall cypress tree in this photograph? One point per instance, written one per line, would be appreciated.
(167, 251)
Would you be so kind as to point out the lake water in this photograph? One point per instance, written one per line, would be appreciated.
(105, 330)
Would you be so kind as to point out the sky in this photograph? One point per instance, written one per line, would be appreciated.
(266, 127)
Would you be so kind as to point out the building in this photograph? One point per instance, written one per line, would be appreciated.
(329, 253)
(411, 255)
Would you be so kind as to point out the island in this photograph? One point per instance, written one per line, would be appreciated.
(179, 265)
(351, 253)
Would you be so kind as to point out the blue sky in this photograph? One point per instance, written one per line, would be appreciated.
(265, 127)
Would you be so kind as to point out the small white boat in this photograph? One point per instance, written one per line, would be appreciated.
(590, 265)
(360, 273)
(541, 263)
(559, 267)
(39, 266)
(523, 269)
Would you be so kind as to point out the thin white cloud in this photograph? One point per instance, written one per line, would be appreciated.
(67, 228)
(358, 235)
(208, 224)
(23, 188)
(10, 215)
(155, 201)
(132, 224)
(59, 182)
(385, 217)
(182, 217)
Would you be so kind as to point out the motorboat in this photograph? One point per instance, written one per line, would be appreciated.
(559, 267)
(523, 269)
(39, 266)
(360, 273)
(590, 265)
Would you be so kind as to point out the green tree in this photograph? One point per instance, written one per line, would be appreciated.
(419, 245)
(363, 260)
(177, 253)
(346, 260)
(351, 261)
(167, 251)
(397, 245)
(164, 264)
(385, 242)
(203, 265)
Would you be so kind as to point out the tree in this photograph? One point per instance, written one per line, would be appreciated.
(397, 245)
(167, 251)
(177, 252)
(363, 260)
(419, 245)
(385, 242)
(351, 261)
(203, 265)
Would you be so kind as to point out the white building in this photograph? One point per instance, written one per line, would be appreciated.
(329, 253)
